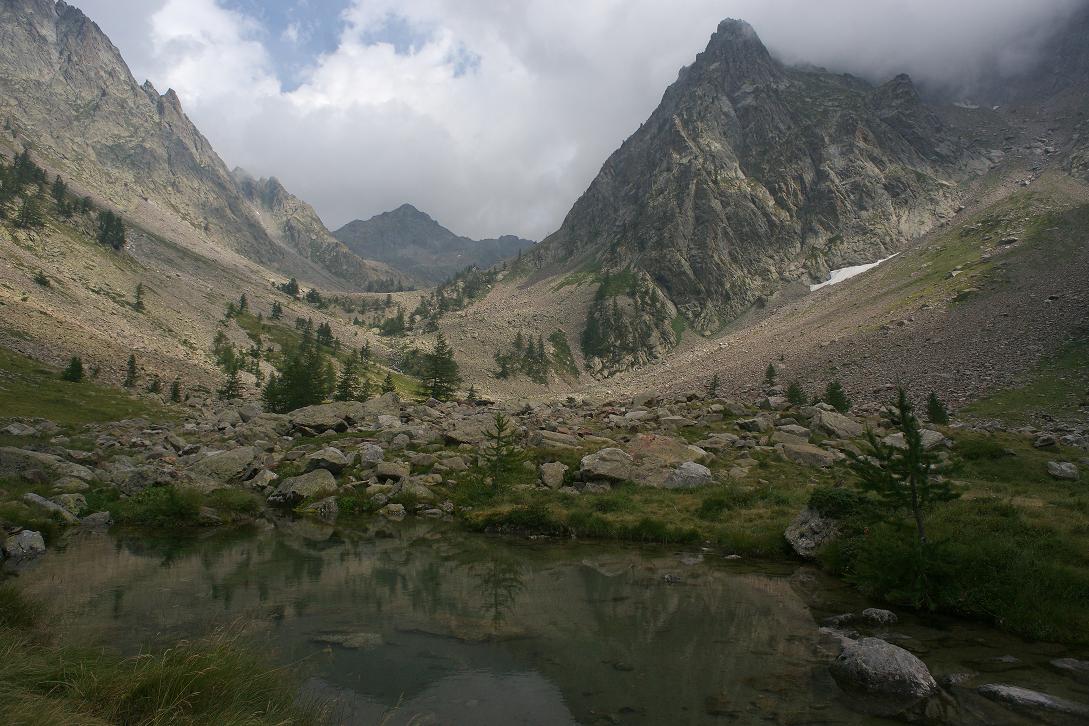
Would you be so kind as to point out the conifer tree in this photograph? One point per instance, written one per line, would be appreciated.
(346, 383)
(41, 279)
(130, 372)
(387, 384)
(175, 391)
(364, 390)
(796, 394)
(139, 297)
(291, 287)
(30, 214)
(155, 386)
(243, 304)
(305, 379)
(59, 191)
(836, 397)
(74, 371)
(442, 377)
(770, 374)
(712, 387)
(936, 412)
(232, 387)
(500, 452)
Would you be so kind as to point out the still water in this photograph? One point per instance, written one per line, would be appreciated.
(423, 624)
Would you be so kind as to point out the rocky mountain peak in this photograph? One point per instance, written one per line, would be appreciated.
(735, 58)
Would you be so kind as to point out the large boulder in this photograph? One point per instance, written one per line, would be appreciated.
(52, 508)
(810, 531)
(25, 545)
(874, 667)
(337, 416)
(836, 424)
(689, 475)
(1062, 470)
(388, 404)
(227, 466)
(808, 455)
(330, 459)
(609, 464)
(295, 489)
(930, 439)
(658, 450)
(15, 461)
(552, 474)
(371, 453)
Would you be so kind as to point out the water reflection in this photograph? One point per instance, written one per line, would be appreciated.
(421, 624)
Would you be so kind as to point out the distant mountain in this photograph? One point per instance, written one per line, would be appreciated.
(414, 243)
(67, 95)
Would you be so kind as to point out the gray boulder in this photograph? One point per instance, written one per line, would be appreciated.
(930, 439)
(689, 475)
(810, 531)
(74, 503)
(609, 464)
(387, 470)
(338, 416)
(836, 424)
(307, 486)
(877, 668)
(16, 461)
(234, 465)
(330, 458)
(371, 454)
(24, 546)
(552, 474)
(325, 509)
(1062, 470)
(98, 520)
(756, 425)
(1029, 700)
(808, 455)
(54, 509)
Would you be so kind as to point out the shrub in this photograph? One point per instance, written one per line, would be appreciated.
(836, 397)
(74, 371)
(159, 507)
(796, 394)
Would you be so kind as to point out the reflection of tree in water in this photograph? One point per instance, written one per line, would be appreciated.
(500, 580)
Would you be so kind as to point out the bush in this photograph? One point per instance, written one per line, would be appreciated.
(159, 507)
(74, 371)
(836, 502)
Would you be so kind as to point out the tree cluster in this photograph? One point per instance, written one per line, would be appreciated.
(525, 356)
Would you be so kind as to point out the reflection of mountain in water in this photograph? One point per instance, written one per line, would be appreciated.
(466, 629)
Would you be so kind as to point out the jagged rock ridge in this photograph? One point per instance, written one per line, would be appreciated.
(410, 240)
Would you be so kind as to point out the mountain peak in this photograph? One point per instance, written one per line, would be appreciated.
(735, 58)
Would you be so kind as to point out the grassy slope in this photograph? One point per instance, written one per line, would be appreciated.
(1059, 386)
(31, 389)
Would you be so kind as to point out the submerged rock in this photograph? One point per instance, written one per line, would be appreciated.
(1029, 700)
(25, 545)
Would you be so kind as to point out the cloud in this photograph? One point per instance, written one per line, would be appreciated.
(494, 117)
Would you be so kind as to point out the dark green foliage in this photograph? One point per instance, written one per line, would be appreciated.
(16, 610)
(712, 387)
(305, 379)
(395, 325)
(442, 378)
(770, 374)
(387, 384)
(471, 395)
(130, 372)
(111, 229)
(41, 279)
(936, 412)
(346, 383)
(277, 311)
(59, 190)
(903, 478)
(314, 298)
(363, 391)
(291, 287)
(502, 460)
(159, 507)
(232, 387)
(836, 397)
(175, 391)
(155, 386)
(616, 334)
(73, 372)
(796, 394)
(138, 297)
(30, 214)
(836, 502)
(525, 356)
(455, 294)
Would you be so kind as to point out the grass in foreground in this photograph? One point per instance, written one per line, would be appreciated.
(32, 389)
(210, 681)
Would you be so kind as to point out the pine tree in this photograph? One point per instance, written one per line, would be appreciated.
(243, 304)
(902, 476)
(74, 372)
(130, 372)
(59, 191)
(175, 391)
(111, 229)
(770, 374)
(442, 377)
(139, 297)
(836, 397)
(232, 387)
(155, 386)
(712, 387)
(364, 391)
(387, 384)
(291, 287)
(365, 352)
(30, 214)
(471, 395)
(305, 379)
(936, 412)
(500, 452)
(346, 383)
(796, 394)
(277, 311)
(41, 279)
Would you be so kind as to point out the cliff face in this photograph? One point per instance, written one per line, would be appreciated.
(66, 93)
(751, 174)
(411, 241)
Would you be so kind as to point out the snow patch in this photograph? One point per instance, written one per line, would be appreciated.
(846, 273)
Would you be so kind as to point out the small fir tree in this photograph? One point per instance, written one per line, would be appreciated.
(277, 311)
(30, 214)
(130, 372)
(500, 453)
(232, 387)
(770, 374)
(138, 296)
(41, 279)
(175, 391)
(74, 371)
(712, 387)
(345, 390)
(936, 412)
(836, 397)
(387, 384)
(442, 377)
(796, 394)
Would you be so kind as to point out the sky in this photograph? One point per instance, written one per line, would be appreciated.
(494, 116)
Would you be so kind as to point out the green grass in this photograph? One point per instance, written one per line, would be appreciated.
(1059, 387)
(563, 359)
(679, 326)
(32, 389)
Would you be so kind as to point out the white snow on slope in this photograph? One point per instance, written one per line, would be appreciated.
(846, 273)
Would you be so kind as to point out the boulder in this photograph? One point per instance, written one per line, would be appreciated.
(307, 486)
(18, 429)
(52, 508)
(1062, 470)
(417, 490)
(324, 509)
(371, 454)
(836, 424)
(74, 503)
(25, 545)
(388, 404)
(1045, 441)
(98, 520)
(1029, 700)
(1077, 669)
(659, 450)
(609, 464)
(553, 440)
(330, 458)
(810, 531)
(263, 479)
(552, 474)
(337, 416)
(227, 466)
(878, 668)
(756, 425)
(386, 470)
(15, 461)
(393, 511)
(808, 455)
(877, 616)
(930, 439)
(689, 475)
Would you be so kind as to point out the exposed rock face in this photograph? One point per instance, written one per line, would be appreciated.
(66, 91)
(414, 243)
(874, 667)
(810, 531)
(751, 173)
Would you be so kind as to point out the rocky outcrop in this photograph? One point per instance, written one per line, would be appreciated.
(810, 531)
(309, 485)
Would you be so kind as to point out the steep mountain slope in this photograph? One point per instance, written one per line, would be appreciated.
(66, 93)
(411, 241)
(750, 175)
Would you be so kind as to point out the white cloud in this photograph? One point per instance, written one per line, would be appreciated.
(498, 115)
